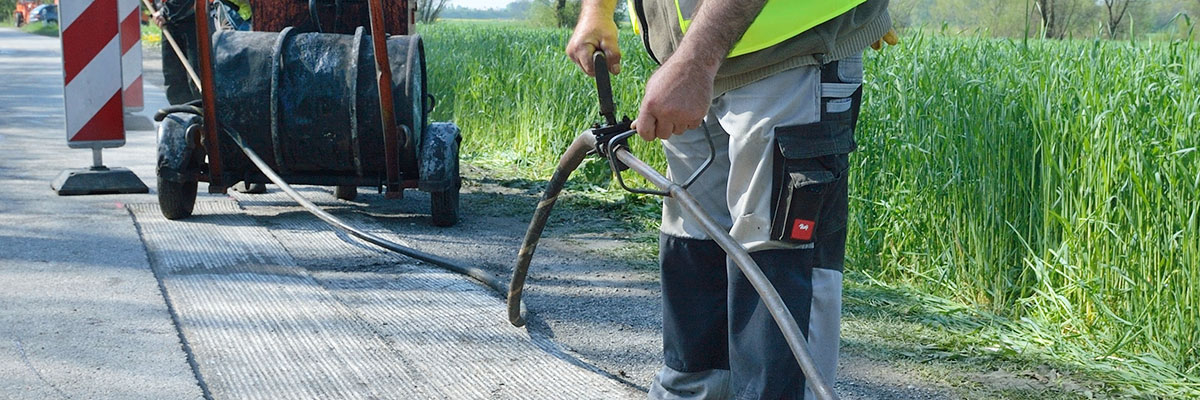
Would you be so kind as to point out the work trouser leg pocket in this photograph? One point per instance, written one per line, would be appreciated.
(811, 163)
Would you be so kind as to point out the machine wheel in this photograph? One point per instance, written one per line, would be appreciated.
(176, 199)
(346, 192)
(443, 205)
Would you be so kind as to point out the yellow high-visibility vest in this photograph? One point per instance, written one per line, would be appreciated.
(779, 20)
(243, 8)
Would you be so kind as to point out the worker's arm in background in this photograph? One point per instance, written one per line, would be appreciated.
(679, 93)
(595, 30)
(174, 11)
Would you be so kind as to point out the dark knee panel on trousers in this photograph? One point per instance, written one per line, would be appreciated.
(762, 365)
(694, 306)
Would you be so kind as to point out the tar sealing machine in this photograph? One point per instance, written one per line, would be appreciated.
(324, 100)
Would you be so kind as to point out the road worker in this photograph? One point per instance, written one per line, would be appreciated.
(778, 86)
(178, 17)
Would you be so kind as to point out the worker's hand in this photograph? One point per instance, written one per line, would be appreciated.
(158, 18)
(594, 32)
(889, 38)
(677, 99)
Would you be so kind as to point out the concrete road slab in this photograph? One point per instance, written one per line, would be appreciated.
(81, 314)
(296, 311)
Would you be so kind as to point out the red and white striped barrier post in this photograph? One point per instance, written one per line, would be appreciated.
(131, 54)
(91, 52)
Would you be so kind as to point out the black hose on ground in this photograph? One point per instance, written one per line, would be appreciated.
(484, 277)
(566, 165)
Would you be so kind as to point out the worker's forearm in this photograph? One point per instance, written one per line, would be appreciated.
(715, 28)
(597, 9)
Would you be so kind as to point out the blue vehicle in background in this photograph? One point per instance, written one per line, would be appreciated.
(47, 13)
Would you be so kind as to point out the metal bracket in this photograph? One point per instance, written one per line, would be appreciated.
(614, 136)
(620, 141)
(604, 143)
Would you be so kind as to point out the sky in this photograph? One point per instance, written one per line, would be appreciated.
(481, 4)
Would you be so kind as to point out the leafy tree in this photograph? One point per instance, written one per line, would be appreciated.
(1116, 10)
(560, 11)
(428, 10)
(554, 13)
(6, 9)
(519, 8)
(1057, 17)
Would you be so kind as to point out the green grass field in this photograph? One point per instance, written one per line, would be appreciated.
(151, 35)
(43, 29)
(1054, 184)
(1051, 184)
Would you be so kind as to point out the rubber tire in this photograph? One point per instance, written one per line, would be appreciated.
(346, 192)
(176, 200)
(443, 206)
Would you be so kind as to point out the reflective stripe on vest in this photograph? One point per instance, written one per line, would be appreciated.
(633, 17)
(778, 21)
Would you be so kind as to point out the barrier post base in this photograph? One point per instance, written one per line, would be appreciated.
(97, 180)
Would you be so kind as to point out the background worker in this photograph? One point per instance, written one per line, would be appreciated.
(779, 89)
(179, 18)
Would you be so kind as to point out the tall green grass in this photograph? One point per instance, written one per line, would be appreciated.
(517, 97)
(1054, 183)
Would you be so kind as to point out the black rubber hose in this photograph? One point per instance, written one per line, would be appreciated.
(181, 108)
(569, 161)
(478, 274)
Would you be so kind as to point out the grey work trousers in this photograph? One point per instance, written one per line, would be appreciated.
(781, 146)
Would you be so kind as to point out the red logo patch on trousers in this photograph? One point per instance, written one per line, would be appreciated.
(802, 229)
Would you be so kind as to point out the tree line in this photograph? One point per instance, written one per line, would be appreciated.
(1053, 19)
(547, 13)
